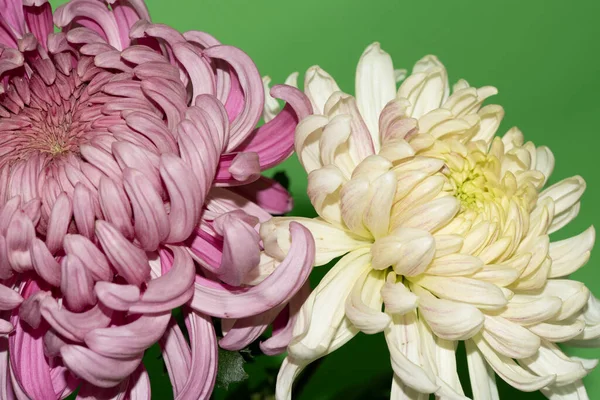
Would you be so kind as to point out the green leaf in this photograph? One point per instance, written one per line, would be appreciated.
(231, 368)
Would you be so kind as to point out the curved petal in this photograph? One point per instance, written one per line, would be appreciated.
(268, 194)
(221, 301)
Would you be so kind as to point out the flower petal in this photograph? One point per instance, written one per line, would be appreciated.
(279, 287)
(319, 86)
(363, 304)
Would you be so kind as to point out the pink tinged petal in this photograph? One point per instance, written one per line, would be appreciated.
(177, 356)
(133, 156)
(101, 160)
(197, 67)
(151, 222)
(250, 83)
(9, 298)
(274, 141)
(172, 289)
(27, 359)
(39, 21)
(154, 129)
(32, 209)
(44, 263)
(126, 14)
(115, 206)
(241, 247)
(185, 195)
(59, 222)
(85, 208)
(97, 369)
(244, 167)
(89, 255)
(77, 284)
(5, 328)
(203, 369)
(247, 330)
(199, 151)
(19, 237)
(74, 326)
(169, 96)
(127, 341)
(117, 297)
(214, 115)
(279, 287)
(281, 337)
(129, 260)
(5, 268)
(139, 385)
(93, 11)
(222, 200)
(7, 213)
(268, 194)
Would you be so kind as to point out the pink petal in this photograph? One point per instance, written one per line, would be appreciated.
(226, 302)
(59, 222)
(172, 289)
(12, 12)
(194, 375)
(74, 326)
(151, 222)
(117, 297)
(39, 21)
(129, 260)
(115, 206)
(274, 141)
(221, 200)
(215, 116)
(251, 86)
(154, 129)
(90, 256)
(93, 11)
(282, 335)
(268, 194)
(44, 263)
(127, 13)
(237, 260)
(27, 359)
(139, 385)
(77, 284)
(85, 209)
(247, 330)
(97, 369)
(19, 237)
(128, 340)
(185, 195)
(5, 268)
(197, 67)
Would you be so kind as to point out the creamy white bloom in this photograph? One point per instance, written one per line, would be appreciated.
(443, 228)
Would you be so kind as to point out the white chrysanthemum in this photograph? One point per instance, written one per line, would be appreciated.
(443, 229)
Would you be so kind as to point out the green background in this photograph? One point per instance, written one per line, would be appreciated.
(542, 56)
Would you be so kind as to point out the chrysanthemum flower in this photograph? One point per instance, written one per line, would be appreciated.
(443, 229)
(129, 186)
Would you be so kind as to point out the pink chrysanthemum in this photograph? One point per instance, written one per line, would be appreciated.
(130, 185)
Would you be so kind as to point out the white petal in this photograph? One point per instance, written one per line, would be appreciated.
(571, 254)
(481, 375)
(402, 338)
(549, 360)
(319, 86)
(396, 297)
(375, 87)
(288, 372)
(377, 214)
(323, 191)
(324, 309)
(354, 198)
(271, 107)
(544, 162)
(402, 392)
(574, 391)
(558, 332)
(508, 338)
(454, 265)
(512, 373)
(499, 275)
(490, 118)
(363, 305)
(334, 144)
(330, 241)
(430, 216)
(574, 296)
(480, 294)
(448, 319)
(426, 88)
(447, 244)
(408, 251)
(307, 141)
(526, 310)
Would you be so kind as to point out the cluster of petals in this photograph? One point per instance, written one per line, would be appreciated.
(443, 232)
(130, 185)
